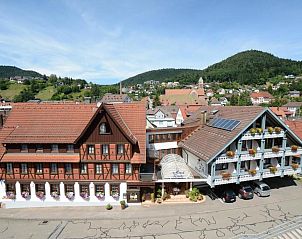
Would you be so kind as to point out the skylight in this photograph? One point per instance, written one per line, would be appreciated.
(227, 124)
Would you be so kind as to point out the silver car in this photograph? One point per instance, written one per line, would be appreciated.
(261, 189)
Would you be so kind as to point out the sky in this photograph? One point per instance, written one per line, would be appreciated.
(108, 41)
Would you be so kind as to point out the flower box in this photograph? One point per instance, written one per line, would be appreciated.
(25, 194)
(275, 149)
(273, 169)
(277, 130)
(230, 154)
(10, 195)
(70, 195)
(252, 152)
(84, 195)
(295, 166)
(115, 196)
(100, 195)
(252, 172)
(55, 195)
(40, 194)
(294, 148)
(226, 175)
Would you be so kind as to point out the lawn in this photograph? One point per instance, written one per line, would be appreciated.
(46, 93)
(13, 90)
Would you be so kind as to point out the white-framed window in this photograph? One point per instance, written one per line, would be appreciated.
(23, 168)
(24, 148)
(54, 148)
(115, 168)
(120, 149)
(128, 169)
(83, 168)
(90, 149)
(39, 168)
(105, 149)
(70, 147)
(98, 168)
(53, 168)
(9, 168)
(103, 128)
(68, 168)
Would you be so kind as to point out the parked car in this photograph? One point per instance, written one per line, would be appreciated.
(261, 189)
(245, 192)
(228, 196)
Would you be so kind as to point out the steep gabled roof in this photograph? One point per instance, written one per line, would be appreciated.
(206, 142)
(47, 123)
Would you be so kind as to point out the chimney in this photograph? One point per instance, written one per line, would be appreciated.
(203, 117)
(120, 87)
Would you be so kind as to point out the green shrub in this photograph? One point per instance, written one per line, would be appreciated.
(108, 206)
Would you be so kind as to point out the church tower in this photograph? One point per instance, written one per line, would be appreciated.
(200, 83)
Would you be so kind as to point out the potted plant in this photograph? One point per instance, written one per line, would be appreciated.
(159, 200)
(252, 172)
(252, 152)
(273, 169)
(226, 175)
(152, 195)
(270, 130)
(200, 197)
(275, 149)
(25, 194)
(294, 148)
(108, 206)
(259, 130)
(277, 130)
(253, 131)
(40, 194)
(123, 204)
(230, 154)
(115, 195)
(295, 166)
(55, 195)
(143, 197)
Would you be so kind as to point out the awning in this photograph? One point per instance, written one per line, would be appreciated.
(41, 158)
(174, 166)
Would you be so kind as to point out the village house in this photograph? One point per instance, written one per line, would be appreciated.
(70, 154)
(261, 97)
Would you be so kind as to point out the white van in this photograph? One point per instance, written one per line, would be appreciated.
(261, 189)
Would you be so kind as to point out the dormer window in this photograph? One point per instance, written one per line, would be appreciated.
(39, 147)
(104, 128)
(24, 148)
(70, 148)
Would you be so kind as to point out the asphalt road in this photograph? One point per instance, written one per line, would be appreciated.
(211, 219)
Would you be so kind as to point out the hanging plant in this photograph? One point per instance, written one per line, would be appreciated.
(295, 166)
(253, 131)
(252, 172)
(230, 154)
(226, 175)
(273, 169)
(270, 130)
(294, 148)
(275, 149)
(277, 130)
(252, 152)
(259, 130)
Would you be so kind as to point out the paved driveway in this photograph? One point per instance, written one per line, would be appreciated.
(212, 219)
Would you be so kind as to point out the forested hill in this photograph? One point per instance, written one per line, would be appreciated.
(161, 75)
(11, 71)
(248, 67)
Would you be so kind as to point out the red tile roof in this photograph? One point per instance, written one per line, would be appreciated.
(134, 117)
(4, 132)
(207, 141)
(42, 157)
(281, 111)
(48, 123)
(296, 127)
(263, 94)
(199, 92)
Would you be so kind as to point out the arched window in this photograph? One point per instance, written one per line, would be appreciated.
(103, 128)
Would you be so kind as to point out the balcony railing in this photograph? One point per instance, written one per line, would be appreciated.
(265, 134)
(290, 152)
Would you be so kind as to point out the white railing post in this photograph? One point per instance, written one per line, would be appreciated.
(92, 196)
(63, 197)
(33, 196)
(48, 197)
(77, 196)
(18, 192)
(107, 192)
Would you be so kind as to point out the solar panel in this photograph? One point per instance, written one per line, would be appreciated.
(227, 124)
